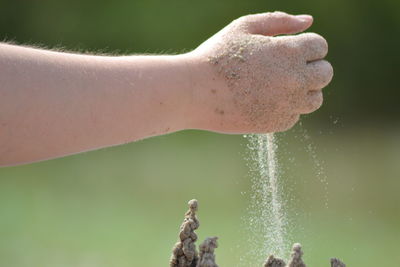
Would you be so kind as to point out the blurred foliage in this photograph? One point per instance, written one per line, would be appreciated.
(364, 38)
(122, 206)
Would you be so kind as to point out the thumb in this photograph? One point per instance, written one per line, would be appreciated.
(276, 23)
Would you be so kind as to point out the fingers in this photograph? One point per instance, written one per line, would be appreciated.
(310, 46)
(312, 101)
(276, 23)
(319, 74)
(289, 122)
(314, 46)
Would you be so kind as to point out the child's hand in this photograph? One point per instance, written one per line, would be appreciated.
(245, 79)
(252, 80)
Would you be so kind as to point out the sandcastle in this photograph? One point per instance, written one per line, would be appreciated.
(184, 253)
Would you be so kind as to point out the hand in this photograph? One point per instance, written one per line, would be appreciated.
(253, 80)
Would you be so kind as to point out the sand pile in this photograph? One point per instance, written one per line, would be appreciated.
(184, 253)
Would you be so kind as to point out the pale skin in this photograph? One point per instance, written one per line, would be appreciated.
(54, 104)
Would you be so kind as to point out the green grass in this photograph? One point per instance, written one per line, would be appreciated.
(122, 206)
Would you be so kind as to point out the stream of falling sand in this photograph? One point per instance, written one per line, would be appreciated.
(266, 219)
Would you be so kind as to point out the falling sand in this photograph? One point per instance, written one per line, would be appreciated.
(266, 219)
(241, 64)
(184, 253)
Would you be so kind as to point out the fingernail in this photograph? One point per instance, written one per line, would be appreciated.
(304, 18)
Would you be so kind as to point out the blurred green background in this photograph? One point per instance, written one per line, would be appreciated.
(122, 206)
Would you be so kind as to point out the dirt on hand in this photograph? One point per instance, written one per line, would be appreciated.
(265, 80)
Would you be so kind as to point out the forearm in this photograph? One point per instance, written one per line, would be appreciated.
(248, 78)
(54, 104)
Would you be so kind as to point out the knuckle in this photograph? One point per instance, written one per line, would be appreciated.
(287, 45)
(289, 122)
(320, 74)
(323, 44)
(313, 101)
(316, 41)
(294, 47)
(329, 71)
(316, 102)
(325, 72)
(313, 36)
(320, 43)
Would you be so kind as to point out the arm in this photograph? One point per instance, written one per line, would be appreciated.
(55, 104)
(243, 79)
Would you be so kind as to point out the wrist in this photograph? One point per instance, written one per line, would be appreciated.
(168, 82)
(209, 94)
(185, 86)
